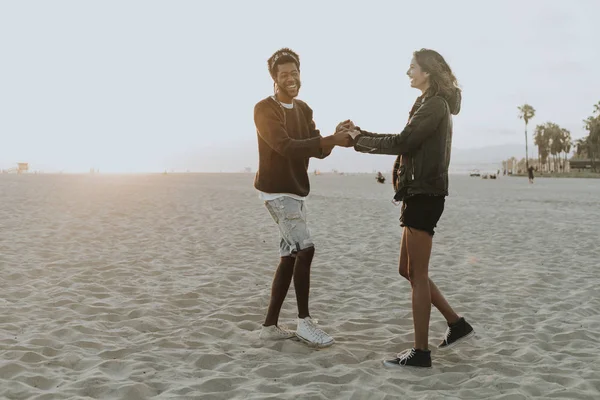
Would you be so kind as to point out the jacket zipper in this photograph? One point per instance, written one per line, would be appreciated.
(371, 149)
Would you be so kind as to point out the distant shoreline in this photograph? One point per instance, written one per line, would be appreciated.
(585, 174)
(572, 174)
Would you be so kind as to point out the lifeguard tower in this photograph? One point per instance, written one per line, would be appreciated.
(22, 167)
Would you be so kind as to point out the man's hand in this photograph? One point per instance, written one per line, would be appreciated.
(344, 139)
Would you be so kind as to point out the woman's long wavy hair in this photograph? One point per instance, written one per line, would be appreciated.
(442, 81)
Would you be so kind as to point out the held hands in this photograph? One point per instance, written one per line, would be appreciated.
(346, 125)
(347, 129)
(344, 135)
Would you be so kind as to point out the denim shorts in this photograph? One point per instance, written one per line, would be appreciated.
(422, 212)
(290, 216)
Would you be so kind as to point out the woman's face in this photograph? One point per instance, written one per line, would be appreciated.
(418, 78)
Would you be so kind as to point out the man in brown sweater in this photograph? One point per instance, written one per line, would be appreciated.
(287, 138)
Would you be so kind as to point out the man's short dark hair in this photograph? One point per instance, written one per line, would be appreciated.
(282, 56)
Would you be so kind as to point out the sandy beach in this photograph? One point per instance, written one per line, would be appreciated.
(155, 286)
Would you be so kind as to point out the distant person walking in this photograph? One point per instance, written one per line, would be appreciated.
(530, 174)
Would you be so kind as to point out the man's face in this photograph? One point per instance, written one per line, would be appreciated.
(288, 79)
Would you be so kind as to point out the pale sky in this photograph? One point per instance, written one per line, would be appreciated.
(136, 86)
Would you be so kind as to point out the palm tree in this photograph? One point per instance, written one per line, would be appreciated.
(592, 141)
(567, 144)
(526, 112)
(538, 140)
(543, 139)
(554, 135)
(581, 148)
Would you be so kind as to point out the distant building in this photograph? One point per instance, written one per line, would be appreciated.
(580, 164)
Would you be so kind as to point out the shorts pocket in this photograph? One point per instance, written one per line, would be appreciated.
(272, 210)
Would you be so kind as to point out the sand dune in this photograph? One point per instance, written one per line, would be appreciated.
(137, 287)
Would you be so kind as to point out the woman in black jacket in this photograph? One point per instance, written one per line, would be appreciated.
(420, 180)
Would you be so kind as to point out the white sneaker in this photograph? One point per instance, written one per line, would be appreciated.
(308, 332)
(275, 332)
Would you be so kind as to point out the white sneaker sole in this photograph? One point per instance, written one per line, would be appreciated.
(276, 339)
(459, 341)
(314, 344)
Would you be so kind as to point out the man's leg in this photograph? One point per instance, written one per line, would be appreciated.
(285, 271)
(307, 330)
(279, 289)
(295, 231)
(296, 239)
(437, 299)
(302, 280)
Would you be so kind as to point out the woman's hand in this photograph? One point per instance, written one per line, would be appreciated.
(346, 125)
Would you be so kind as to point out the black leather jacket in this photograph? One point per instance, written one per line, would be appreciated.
(423, 148)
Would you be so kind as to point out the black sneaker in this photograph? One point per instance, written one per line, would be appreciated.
(456, 333)
(411, 358)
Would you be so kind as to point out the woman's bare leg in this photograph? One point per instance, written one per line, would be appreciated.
(418, 244)
(437, 299)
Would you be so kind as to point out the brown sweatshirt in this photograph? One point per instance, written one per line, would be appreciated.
(287, 138)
